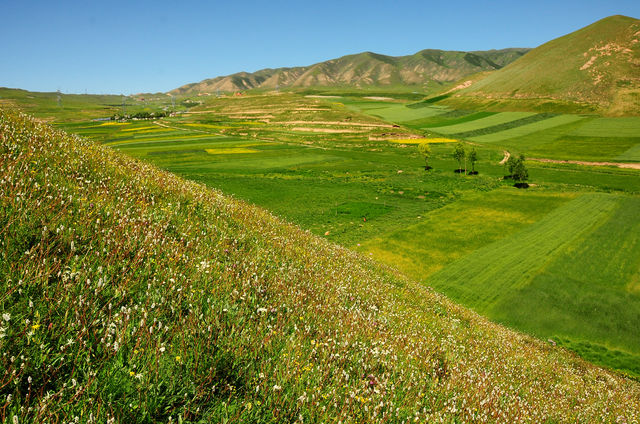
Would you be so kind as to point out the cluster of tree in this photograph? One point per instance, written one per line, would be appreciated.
(461, 155)
(515, 165)
(517, 170)
(140, 115)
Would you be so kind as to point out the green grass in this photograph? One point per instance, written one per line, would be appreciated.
(474, 283)
(572, 274)
(395, 112)
(370, 194)
(477, 124)
(633, 154)
(527, 120)
(449, 118)
(588, 148)
(456, 230)
(132, 295)
(610, 127)
(527, 129)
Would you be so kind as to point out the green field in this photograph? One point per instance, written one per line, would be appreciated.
(132, 295)
(576, 270)
(527, 129)
(477, 124)
(393, 112)
(456, 230)
(342, 179)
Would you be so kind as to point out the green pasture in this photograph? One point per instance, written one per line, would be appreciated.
(375, 196)
(610, 127)
(456, 230)
(477, 124)
(527, 129)
(394, 112)
(572, 274)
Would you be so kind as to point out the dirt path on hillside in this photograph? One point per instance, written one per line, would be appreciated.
(579, 162)
(506, 157)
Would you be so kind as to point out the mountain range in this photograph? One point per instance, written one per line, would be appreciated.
(366, 69)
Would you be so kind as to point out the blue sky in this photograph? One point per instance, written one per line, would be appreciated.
(144, 46)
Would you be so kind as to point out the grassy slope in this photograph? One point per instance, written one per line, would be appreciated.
(593, 68)
(133, 294)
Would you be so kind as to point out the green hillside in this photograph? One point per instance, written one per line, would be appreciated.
(132, 295)
(594, 69)
(427, 67)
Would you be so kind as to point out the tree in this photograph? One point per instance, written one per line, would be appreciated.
(520, 173)
(473, 158)
(425, 151)
(459, 154)
(510, 164)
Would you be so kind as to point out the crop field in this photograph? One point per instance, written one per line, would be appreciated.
(450, 117)
(326, 184)
(334, 167)
(458, 229)
(566, 137)
(133, 295)
(482, 123)
(576, 270)
(394, 112)
(527, 129)
(610, 127)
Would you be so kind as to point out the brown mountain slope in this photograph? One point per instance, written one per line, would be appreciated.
(365, 69)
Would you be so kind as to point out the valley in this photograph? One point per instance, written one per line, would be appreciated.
(446, 236)
(347, 169)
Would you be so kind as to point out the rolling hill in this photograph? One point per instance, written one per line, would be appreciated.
(594, 69)
(132, 295)
(365, 69)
